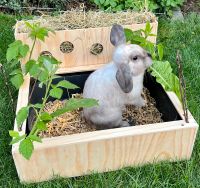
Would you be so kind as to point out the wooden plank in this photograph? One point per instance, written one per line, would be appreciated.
(82, 40)
(177, 104)
(106, 150)
(22, 102)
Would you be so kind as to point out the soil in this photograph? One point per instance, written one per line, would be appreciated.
(72, 122)
(191, 6)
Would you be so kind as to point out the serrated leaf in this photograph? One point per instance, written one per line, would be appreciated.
(43, 76)
(41, 126)
(34, 70)
(35, 138)
(28, 25)
(26, 148)
(12, 53)
(45, 116)
(16, 50)
(22, 115)
(16, 71)
(56, 93)
(17, 139)
(73, 104)
(162, 71)
(128, 34)
(29, 65)
(66, 84)
(23, 50)
(15, 43)
(17, 80)
(13, 133)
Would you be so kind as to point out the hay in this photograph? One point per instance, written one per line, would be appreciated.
(72, 122)
(78, 19)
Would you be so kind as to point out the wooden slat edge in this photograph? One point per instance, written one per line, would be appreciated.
(81, 29)
(177, 104)
(21, 102)
(114, 133)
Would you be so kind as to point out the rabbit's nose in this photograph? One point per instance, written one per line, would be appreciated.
(149, 55)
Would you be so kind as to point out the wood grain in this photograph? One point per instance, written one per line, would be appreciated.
(107, 150)
(82, 40)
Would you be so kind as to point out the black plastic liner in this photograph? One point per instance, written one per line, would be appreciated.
(163, 103)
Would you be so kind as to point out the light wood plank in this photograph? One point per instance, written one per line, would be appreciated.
(82, 40)
(107, 150)
(22, 102)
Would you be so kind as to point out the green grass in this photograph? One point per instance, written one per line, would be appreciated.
(174, 35)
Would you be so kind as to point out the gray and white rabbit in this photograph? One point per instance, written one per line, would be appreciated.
(117, 84)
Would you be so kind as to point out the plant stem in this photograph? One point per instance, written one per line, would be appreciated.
(34, 129)
(31, 52)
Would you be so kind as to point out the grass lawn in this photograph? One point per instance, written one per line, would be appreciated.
(174, 35)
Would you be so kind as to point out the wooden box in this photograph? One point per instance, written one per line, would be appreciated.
(106, 150)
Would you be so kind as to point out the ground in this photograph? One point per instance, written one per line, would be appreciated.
(174, 35)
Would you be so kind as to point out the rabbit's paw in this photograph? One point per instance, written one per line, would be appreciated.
(124, 124)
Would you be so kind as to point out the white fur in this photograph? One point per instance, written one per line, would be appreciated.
(103, 86)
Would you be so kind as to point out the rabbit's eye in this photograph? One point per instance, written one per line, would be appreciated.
(135, 58)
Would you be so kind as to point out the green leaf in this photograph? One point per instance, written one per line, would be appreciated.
(128, 34)
(36, 31)
(26, 148)
(16, 50)
(41, 126)
(23, 50)
(16, 71)
(45, 116)
(29, 65)
(28, 25)
(13, 133)
(22, 115)
(73, 104)
(12, 53)
(38, 105)
(160, 51)
(56, 93)
(102, 1)
(148, 28)
(17, 139)
(43, 76)
(97, 2)
(162, 71)
(35, 70)
(66, 84)
(17, 80)
(35, 138)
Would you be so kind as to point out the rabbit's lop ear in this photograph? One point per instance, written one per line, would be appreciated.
(124, 78)
(117, 35)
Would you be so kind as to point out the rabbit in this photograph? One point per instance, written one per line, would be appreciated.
(116, 84)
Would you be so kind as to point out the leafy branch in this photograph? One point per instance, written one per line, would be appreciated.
(160, 69)
(42, 70)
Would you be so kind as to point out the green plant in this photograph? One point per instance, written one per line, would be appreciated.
(44, 70)
(160, 69)
(165, 6)
(118, 5)
(18, 4)
(168, 5)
